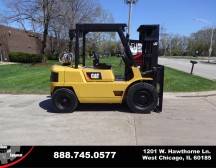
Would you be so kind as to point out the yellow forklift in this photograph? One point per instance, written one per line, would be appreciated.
(141, 87)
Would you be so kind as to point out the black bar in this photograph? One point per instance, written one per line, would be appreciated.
(134, 41)
(158, 83)
(127, 48)
(77, 49)
(161, 84)
(100, 27)
(84, 48)
(117, 156)
(192, 69)
(192, 62)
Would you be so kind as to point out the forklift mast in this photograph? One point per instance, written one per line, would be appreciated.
(149, 38)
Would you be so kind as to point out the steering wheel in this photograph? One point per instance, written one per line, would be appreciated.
(96, 58)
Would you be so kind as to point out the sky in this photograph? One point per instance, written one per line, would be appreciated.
(175, 15)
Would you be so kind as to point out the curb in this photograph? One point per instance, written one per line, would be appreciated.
(190, 94)
(8, 63)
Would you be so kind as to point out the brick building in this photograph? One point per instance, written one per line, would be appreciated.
(16, 40)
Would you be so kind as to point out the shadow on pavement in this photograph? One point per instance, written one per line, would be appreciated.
(102, 107)
(47, 105)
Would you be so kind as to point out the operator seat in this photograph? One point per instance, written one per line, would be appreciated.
(98, 65)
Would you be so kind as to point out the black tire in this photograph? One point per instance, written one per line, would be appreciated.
(142, 98)
(64, 100)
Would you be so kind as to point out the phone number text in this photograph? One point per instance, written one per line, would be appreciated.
(84, 155)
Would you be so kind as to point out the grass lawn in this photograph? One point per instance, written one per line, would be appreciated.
(178, 81)
(24, 78)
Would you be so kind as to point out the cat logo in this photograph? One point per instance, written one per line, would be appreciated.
(94, 75)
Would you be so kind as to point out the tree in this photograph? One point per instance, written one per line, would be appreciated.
(172, 44)
(200, 41)
(59, 34)
(79, 11)
(178, 44)
(163, 41)
(4, 50)
(34, 16)
(104, 39)
(82, 11)
(53, 18)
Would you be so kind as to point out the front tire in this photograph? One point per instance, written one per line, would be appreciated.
(64, 100)
(142, 98)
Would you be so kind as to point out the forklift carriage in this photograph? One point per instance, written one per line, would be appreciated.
(141, 88)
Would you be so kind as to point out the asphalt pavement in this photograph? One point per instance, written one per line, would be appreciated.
(202, 68)
(187, 119)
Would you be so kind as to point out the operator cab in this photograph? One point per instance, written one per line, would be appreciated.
(80, 33)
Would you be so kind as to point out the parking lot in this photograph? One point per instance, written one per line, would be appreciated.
(187, 119)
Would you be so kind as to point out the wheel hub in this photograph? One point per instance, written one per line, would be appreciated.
(64, 101)
(142, 98)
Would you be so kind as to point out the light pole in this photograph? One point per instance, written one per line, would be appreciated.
(212, 34)
(130, 2)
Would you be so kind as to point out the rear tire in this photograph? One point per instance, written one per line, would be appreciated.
(64, 100)
(142, 98)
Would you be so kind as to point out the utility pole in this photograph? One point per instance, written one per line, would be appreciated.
(130, 2)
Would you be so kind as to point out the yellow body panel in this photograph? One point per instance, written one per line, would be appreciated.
(106, 75)
(61, 77)
(98, 86)
(74, 75)
(99, 92)
(60, 70)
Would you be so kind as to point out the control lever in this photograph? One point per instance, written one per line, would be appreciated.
(150, 71)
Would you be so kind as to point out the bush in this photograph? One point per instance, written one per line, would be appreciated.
(25, 57)
(52, 57)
